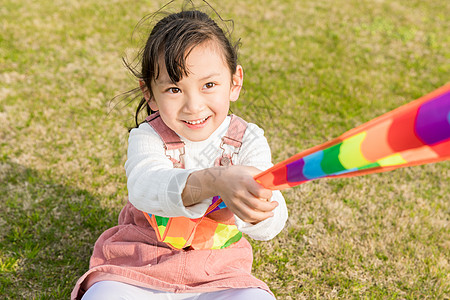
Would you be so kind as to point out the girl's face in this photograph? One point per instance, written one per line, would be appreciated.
(195, 106)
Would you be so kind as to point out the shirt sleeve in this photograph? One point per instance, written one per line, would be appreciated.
(256, 152)
(154, 186)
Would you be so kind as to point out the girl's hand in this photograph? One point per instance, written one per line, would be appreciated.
(235, 185)
(243, 195)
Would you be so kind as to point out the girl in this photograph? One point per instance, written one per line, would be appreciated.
(188, 244)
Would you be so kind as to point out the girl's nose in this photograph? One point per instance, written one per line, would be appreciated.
(193, 104)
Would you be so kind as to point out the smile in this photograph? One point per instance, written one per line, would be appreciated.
(196, 122)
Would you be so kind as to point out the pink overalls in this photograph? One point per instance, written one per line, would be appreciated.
(131, 253)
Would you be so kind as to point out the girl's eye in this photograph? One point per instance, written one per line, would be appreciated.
(209, 85)
(174, 90)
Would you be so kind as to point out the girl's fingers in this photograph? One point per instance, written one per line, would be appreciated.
(253, 210)
(260, 192)
(259, 203)
(263, 205)
(253, 216)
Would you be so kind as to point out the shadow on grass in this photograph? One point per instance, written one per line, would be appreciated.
(47, 232)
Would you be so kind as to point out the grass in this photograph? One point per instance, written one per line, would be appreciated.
(314, 69)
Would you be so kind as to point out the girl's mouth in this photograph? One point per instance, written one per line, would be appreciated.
(197, 123)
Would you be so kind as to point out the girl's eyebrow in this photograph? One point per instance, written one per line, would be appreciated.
(209, 76)
(164, 81)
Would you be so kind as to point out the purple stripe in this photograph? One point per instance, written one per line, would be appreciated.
(432, 122)
(214, 200)
(294, 171)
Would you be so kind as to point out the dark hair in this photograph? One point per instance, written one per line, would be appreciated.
(173, 38)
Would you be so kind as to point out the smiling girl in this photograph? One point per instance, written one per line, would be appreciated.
(190, 171)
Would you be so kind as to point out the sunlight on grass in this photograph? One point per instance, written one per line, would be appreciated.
(313, 69)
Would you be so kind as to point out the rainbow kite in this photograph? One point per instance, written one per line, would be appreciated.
(413, 134)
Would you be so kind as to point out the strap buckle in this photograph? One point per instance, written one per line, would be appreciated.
(226, 159)
(176, 163)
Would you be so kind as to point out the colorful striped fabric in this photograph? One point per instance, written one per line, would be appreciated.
(220, 206)
(416, 133)
(201, 233)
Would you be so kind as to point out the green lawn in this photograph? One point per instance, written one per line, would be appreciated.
(313, 69)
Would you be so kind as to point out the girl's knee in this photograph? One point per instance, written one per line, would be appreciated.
(254, 293)
(111, 290)
(238, 294)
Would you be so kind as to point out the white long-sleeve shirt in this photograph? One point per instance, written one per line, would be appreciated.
(154, 186)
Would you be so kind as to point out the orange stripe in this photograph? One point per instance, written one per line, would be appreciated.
(375, 145)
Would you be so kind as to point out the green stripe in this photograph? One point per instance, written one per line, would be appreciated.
(330, 163)
(234, 239)
(161, 220)
(369, 166)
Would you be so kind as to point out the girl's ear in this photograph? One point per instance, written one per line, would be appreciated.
(147, 96)
(144, 90)
(238, 80)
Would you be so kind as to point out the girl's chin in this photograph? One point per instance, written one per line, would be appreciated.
(197, 134)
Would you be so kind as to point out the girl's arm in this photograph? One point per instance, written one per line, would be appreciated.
(235, 184)
(259, 213)
(154, 186)
(256, 152)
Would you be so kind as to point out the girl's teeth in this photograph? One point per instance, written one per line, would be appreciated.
(197, 122)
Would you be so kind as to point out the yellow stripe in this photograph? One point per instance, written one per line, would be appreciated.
(177, 242)
(350, 155)
(223, 234)
(392, 160)
(161, 229)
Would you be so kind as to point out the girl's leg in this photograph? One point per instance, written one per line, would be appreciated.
(238, 294)
(114, 290)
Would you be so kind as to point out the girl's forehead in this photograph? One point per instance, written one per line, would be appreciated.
(204, 52)
(207, 48)
(200, 59)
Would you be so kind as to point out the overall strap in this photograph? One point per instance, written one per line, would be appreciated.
(233, 137)
(170, 139)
